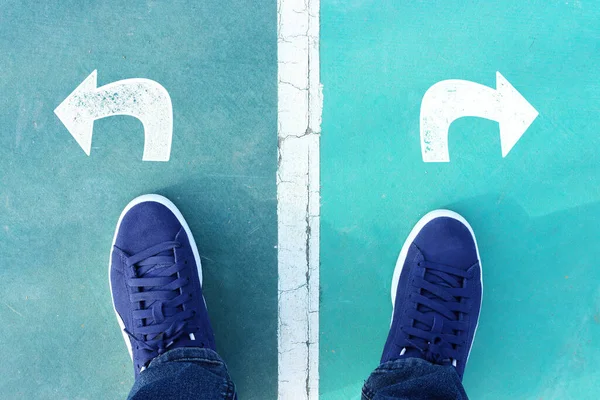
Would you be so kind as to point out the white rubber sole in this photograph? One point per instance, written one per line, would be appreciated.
(167, 203)
(411, 238)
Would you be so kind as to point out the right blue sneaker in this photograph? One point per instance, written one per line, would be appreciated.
(436, 293)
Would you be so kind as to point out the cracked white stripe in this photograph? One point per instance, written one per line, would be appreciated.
(298, 199)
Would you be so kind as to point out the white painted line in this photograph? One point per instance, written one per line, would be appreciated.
(298, 198)
(143, 99)
(448, 100)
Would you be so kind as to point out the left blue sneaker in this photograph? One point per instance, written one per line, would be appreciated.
(436, 293)
(156, 281)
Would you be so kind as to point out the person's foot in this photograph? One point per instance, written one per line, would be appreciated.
(436, 293)
(156, 281)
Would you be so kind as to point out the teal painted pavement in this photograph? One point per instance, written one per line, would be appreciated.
(58, 207)
(536, 213)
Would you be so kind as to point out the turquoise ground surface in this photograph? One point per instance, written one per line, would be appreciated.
(536, 213)
(58, 207)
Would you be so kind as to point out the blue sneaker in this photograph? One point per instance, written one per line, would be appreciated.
(156, 281)
(436, 293)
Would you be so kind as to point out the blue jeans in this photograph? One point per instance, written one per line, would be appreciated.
(413, 379)
(185, 373)
(195, 373)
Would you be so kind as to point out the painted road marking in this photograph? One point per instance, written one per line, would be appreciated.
(448, 100)
(143, 99)
(298, 199)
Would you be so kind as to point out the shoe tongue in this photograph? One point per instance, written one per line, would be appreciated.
(424, 309)
(157, 271)
(423, 258)
(155, 268)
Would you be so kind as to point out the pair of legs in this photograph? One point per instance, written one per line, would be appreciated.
(156, 284)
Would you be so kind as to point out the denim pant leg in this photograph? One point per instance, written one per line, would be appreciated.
(185, 373)
(413, 379)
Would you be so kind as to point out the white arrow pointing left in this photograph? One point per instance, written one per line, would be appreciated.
(143, 99)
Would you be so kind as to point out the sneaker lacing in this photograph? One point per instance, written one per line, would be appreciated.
(440, 301)
(162, 318)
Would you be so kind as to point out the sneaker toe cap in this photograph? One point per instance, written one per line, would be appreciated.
(146, 224)
(448, 241)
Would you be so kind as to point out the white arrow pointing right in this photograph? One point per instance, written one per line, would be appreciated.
(448, 100)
